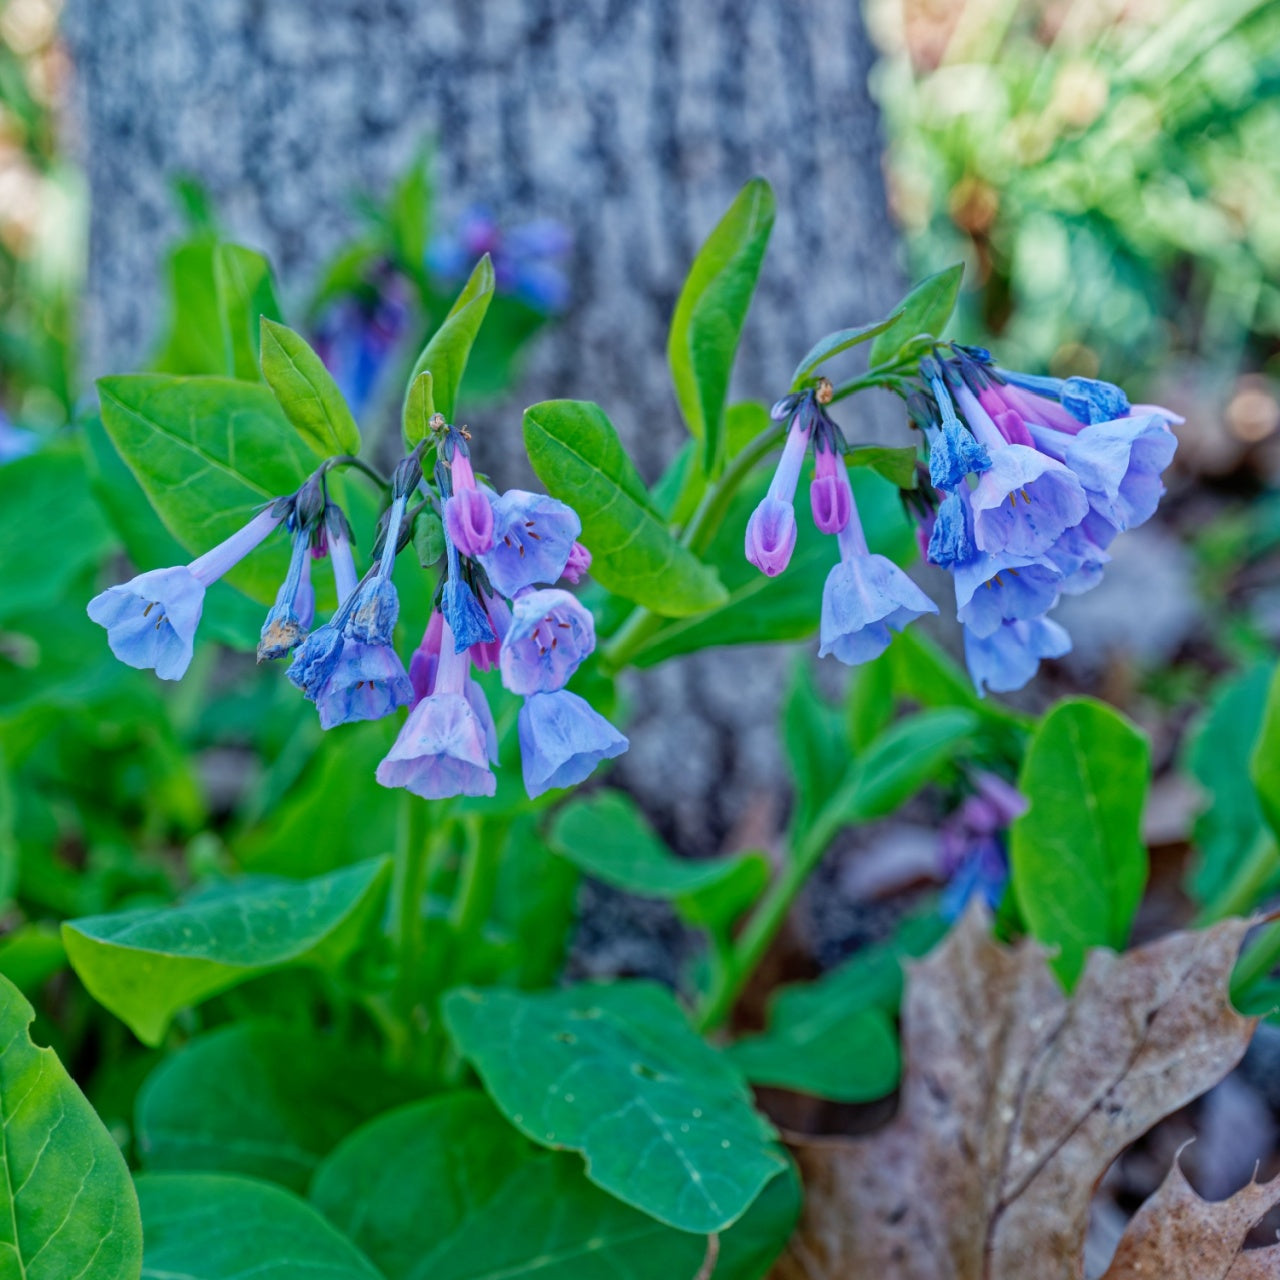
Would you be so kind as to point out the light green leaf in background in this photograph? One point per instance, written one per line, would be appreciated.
(445, 355)
(926, 309)
(1264, 763)
(579, 458)
(607, 836)
(307, 392)
(817, 748)
(1079, 865)
(70, 1209)
(146, 964)
(833, 344)
(616, 1073)
(710, 313)
(898, 466)
(446, 1189)
(209, 453)
(213, 1226)
(259, 1099)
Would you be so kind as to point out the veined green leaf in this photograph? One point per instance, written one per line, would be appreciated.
(307, 392)
(145, 965)
(710, 313)
(926, 309)
(616, 1073)
(578, 456)
(834, 343)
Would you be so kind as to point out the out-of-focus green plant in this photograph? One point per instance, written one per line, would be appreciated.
(1110, 172)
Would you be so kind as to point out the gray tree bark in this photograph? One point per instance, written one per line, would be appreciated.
(633, 122)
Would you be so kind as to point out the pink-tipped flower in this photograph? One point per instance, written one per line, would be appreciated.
(579, 564)
(830, 499)
(771, 531)
(486, 653)
(467, 513)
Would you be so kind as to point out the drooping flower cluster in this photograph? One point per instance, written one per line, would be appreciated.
(496, 606)
(1032, 479)
(973, 844)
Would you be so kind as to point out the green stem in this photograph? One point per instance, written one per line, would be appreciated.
(1241, 893)
(1255, 964)
(407, 887)
(641, 623)
(478, 882)
(770, 913)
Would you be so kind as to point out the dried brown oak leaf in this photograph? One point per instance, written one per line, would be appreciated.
(1015, 1100)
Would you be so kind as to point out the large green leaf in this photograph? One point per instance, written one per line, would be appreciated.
(260, 1099)
(710, 313)
(926, 309)
(617, 1074)
(69, 1210)
(145, 965)
(834, 1038)
(51, 529)
(1079, 864)
(307, 392)
(816, 744)
(208, 453)
(212, 1226)
(1264, 763)
(579, 458)
(218, 293)
(762, 610)
(445, 355)
(1219, 753)
(447, 1190)
(606, 836)
(834, 343)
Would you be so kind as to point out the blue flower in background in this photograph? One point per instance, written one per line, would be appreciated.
(357, 334)
(15, 442)
(973, 849)
(562, 740)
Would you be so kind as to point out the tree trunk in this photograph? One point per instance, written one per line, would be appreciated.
(634, 123)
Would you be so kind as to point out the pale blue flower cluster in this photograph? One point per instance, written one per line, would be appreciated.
(1034, 478)
(497, 605)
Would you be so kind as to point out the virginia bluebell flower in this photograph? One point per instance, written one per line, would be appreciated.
(950, 540)
(562, 740)
(533, 539)
(151, 620)
(1007, 658)
(865, 596)
(991, 590)
(358, 334)
(468, 515)
(771, 531)
(445, 747)
(829, 499)
(953, 451)
(548, 637)
(578, 565)
(973, 850)
(468, 621)
(290, 617)
(373, 611)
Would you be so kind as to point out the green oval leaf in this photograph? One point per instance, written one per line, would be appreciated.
(617, 1074)
(1079, 864)
(307, 392)
(208, 453)
(145, 965)
(925, 310)
(210, 1226)
(445, 355)
(834, 343)
(70, 1209)
(710, 313)
(419, 409)
(579, 458)
(296, 1095)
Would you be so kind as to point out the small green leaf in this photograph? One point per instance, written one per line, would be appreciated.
(1264, 764)
(710, 313)
(419, 409)
(579, 458)
(246, 294)
(70, 1209)
(617, 1074)
(145, 965)
(297, 1094)
(446, 1190)
(1079, 864)
(817, 749)
(926, 309)
(834, 343)
(211, 1226)
(905, 757)
(209, 453)
(445, 355)
(606, 836)
(428, 538)
(307, 392)
(898, 466)
(870, 703)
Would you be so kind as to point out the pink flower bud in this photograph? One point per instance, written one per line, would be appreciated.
(771, 536)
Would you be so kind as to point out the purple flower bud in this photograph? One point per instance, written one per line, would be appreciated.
(467, 513)
(426, 658)
(549, 636)
(951, 538)
(486, 654)
(771, 536)
(830, 495)
(533, 537)
(562, 740)
(579, 564)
